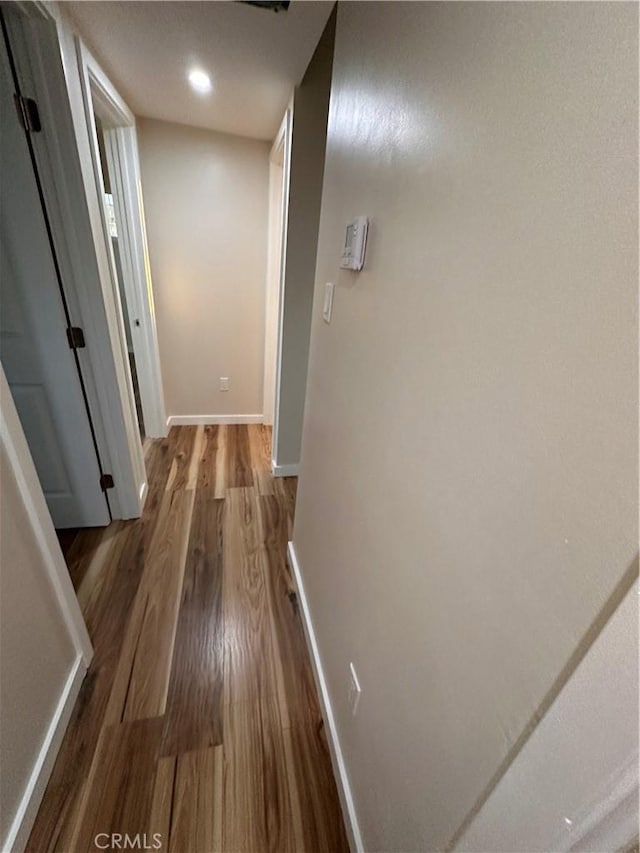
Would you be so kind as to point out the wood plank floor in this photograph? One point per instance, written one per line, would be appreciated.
(198, 719)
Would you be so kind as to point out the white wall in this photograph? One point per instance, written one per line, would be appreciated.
(37, 651)
(206, 207)
(468, 493)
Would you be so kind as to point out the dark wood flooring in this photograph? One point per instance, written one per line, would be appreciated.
(198, 719)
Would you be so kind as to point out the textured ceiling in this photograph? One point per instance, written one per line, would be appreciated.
(254, 56)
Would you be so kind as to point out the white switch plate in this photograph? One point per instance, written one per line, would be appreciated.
(328, 302)
(224, 383)
(354, 690)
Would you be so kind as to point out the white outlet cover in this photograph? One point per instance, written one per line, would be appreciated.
(224, 383)
(327, 308)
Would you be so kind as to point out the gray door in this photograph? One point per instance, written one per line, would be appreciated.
(39, 364)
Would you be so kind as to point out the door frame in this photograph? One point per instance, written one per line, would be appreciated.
(274, 266)
(81, 500)
(101, 98)
(284, 134)
(45, 54)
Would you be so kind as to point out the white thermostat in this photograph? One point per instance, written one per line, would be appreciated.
(355, 244)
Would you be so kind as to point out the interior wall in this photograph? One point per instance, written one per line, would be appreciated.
(539, 803)
(37, 652)
(308, 139)
(206, 200)
(468, 493)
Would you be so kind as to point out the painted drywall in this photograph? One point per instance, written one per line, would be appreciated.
(468, 492)
(308, 138)
(36, 650)
(206, 208)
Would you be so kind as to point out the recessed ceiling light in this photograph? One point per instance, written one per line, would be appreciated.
(200, 81)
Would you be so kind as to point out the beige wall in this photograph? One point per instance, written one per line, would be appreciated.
(206, 209)
(468, 496)
(36, 650)
(310, 108)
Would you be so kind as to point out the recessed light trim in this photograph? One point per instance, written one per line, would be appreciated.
(200, 81)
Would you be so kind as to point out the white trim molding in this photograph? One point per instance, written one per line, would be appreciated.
(574, 784)
(196, 420)
(277, 203)
(23, 821)
(287, 129)
(337, 759)
(92, 81)
(124, 168)
(13, 438)
(103, 100)
(46, 56)
(284, 470)
(144, 491)
(56, 573)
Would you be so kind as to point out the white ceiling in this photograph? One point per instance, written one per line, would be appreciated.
(254, 56)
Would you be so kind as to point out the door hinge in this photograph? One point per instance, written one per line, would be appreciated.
(106, 482)
(28, 113)
(75, 336)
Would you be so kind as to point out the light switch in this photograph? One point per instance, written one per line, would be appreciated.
(328, 302)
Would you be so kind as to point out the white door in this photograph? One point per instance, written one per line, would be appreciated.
(39, 364)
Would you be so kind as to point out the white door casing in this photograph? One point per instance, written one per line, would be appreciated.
(36, 355)
(46, 59)
(286, 130)
(274, 266)
(101, 99)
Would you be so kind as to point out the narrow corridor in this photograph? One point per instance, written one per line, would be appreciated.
(198, 722)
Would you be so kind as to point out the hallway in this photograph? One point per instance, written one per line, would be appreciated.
(198, 719)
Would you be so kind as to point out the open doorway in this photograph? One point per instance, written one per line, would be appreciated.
(109, 209)
(114, 152)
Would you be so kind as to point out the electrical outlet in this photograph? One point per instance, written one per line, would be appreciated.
(224, 383)
(354, 690)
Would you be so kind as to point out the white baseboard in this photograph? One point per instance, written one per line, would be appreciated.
(284, 470)
(144, 489)
(339, 768)
(23, 821)
(195, 420)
